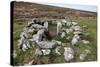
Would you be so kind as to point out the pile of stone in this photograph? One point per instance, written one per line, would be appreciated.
(34, 34)
(65, 29)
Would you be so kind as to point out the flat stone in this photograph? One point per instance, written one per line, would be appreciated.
(46, 44)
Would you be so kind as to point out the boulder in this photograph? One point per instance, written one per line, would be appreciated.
(59, 26)
(30, 24)
(57, 50)
(24, 34)
(77, 28)
(46, 44)
(57, 42)
(77, 32)
(68, 24)
(74, 23)
(37, 26)
(42, 51)
(75, 39)
(46, 25)
(68, 53)
(46, 51)
(23, 44)
(38, 37)
(63, 34)
(35, 38)
(31, 30)
(68, 31)
(38, 52)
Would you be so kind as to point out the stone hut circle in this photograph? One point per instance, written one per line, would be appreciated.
(52, 36)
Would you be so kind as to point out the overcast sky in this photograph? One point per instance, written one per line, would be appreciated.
(88, 5)
(76, 6)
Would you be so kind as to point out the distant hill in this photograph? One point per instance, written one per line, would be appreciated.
(31, 10)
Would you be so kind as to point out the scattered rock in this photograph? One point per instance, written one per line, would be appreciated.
(85, 42)
(38, 52)
(57, 50)
(84, 54)
(68, 53)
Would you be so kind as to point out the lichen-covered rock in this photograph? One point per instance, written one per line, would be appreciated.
(38, 52)
(74, 23)
(69, 30)
(57, 42)
(38, 37)
(57, 50)
(75, 39)
(42, 51)
(77, 28)
(77, 32)
(63, 34)
(68, 53)
(59, 26)
(46, 44)
(46, 25)
(46, 51)
(37, 26)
